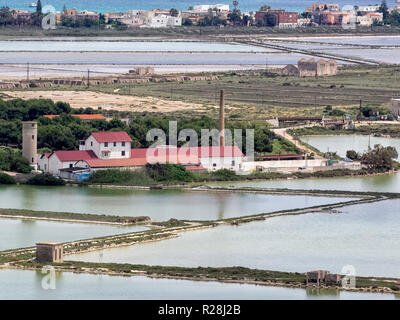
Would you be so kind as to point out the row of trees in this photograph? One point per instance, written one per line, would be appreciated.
(65, 131)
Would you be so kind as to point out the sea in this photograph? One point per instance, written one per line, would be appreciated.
(102, 6)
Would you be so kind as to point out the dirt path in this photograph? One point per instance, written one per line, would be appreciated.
(283, 133)
(84, 99)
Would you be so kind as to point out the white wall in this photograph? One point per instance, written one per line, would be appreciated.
(43, 163)
(251, 165)
(115, 152)
(55, 164)
(218, 163)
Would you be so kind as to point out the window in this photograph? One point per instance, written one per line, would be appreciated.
(115, 144)
(123, 153)
(123, 144)
(33, 137)
(233, 163)
(71, 165)
(106, 144)
(45, 167)
(91, 143)
(214, 164)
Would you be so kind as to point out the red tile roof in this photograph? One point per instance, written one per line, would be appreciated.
(74, 155)
(80, 116)
(103, 136)
(193, 152)
(185, 155)
(195, 168)
(110, 163)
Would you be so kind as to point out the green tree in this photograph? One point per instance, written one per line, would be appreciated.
(174, 12)
(39, 7)
(351, 154)
(187, 22)
(384, 9)
(6, 17)
(379, 158)
(265, 7)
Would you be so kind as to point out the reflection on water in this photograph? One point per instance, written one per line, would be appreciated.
(160, 205)
(365, 236)
(380, 183)
(341, 144)
(28, 285)
(19, 233)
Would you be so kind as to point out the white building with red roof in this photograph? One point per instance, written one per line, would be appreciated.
(106, 150)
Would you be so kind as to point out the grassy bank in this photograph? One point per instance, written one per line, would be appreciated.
(139, 177)
(229, 274)
(253, 95)
(74, 217)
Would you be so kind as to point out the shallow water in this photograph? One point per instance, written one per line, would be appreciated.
(17, 233)
(160, 205)
(380, 183)
(364, 236)
(341, 144)
(121, 45)
(17, 284)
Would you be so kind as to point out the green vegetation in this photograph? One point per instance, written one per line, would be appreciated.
(259, 95)
(74, 216)
(379, 158)
(11, 160)
(65, 131)
(6, 179)
(222, 273)
(45, 179)
(124, 177)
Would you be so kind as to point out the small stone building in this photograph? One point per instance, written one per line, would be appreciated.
(395, 107)
(322, 276)
(290, 70)
(313, 68)
(142, 71)
(316, 277)
(49, 252)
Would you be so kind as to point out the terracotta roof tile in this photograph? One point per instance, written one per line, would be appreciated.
(103, 136)
(74, 155)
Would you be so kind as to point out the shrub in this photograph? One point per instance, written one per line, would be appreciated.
(168, 172)
(111, 176)
(45, 179)
(6, 179)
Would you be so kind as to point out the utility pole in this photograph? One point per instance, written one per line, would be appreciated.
(27, 72)
(88, 78)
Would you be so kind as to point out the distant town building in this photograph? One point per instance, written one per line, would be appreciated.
(214, 7)
(369, 18)
(139, 18)
(282, 19)
(368, 9)
(49, 252)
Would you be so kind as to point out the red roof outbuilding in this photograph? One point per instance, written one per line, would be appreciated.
(74, 155)
(103, 136)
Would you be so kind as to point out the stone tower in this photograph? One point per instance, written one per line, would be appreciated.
(29, 142)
